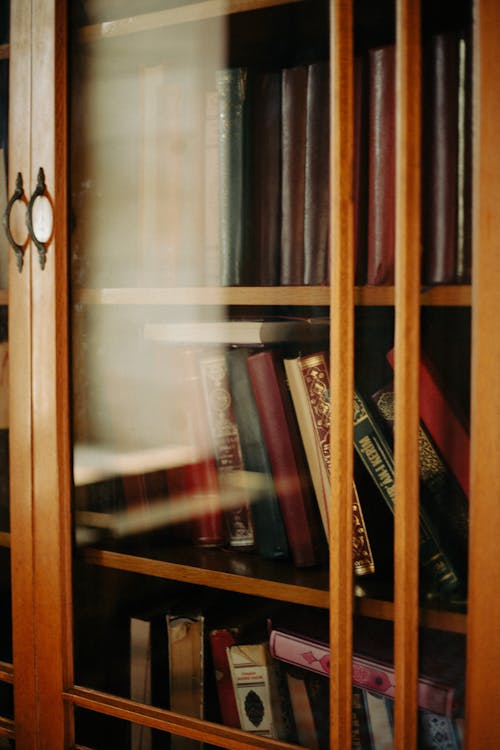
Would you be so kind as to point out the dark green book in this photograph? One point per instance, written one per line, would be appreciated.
(376, 453)
(232, 97)
(270, 533)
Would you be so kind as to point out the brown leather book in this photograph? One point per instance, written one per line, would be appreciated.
(293, 154)
(444, 172)
(317, 188)
(440, 167)
(266, 174)
(381, 169)
(288, 462)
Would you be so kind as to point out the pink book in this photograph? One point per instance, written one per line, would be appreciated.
(372, 674)
(442, 424)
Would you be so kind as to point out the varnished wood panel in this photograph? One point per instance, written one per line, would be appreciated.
(407, 343)
(483, 652)
(342, 370)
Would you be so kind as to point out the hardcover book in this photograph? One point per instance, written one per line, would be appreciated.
(309, 383)
(317, 175)
(293, 158)
(220, 640)
(443, 425)
(288, 461)
(374, 450)
(381, 166)
(227, 448)
(271, 537)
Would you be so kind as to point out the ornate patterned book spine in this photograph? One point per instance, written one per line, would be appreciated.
(309, 382)
(372, 447)
(227, 449)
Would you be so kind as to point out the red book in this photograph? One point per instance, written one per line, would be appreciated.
(444, 427)
(287, 458)
(220, 640)
(381, 166)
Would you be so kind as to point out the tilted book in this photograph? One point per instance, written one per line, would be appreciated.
(368, 672)
(441, 421)
(374, 450)
(288, 462)
(309, 382)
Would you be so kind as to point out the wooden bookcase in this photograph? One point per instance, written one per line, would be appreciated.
(58, 689)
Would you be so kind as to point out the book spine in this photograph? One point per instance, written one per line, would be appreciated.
(443, 497)
(287, 459)
(316, 378)
(373, 449)
(381, 173)
(293, 147)
(360, 169)
(231, 87)
(220, 640)
(212, 192)
(270, 532)
(300, 651)
(266, 175)
(186, 672)
(442, 423)
(316, 189)
(227, 448)
(440, 168)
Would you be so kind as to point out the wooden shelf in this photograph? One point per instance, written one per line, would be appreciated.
(246, 574)
(439, 296)
(4, 51)
(5, 539)
(173, 16)
(6, 672)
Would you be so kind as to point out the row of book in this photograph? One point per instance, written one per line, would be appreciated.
(274, 169)
(258, 421)
(267, 673)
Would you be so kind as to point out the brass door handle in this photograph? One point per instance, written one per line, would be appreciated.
(17, 195)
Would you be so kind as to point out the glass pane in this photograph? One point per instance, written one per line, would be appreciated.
(199, 267)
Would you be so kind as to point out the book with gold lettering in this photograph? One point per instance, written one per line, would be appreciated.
(372, 446)
(309, 382)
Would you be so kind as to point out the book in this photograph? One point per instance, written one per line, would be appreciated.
(271, 537)
(241, 332)
(373, 448)
(444, 499)
(233, 107)
(439, 418)
(256, 689)
(317, 175)
(381, 166)
(360, 167)
(212, 238)
(227, 447)
(293, 156)
(309, 383)
(379, 721)
(266, 174)
(148, 673)
(300, 699)
(440, 682)
(288, 463)
(186, 660)
(220, 640)
(438, 732)
(440, 84)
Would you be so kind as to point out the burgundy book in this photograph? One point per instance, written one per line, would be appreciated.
(266, 174)
(381, 166)
(443, 425)
(440, 167)
(293, 156)
(220, 640)
(288, 462)
(202, 487)
(317, 173)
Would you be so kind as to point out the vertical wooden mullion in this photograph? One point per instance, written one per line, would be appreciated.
(51, 424)
(20, 417)
(342, 370)
(407, 343)
(483, 642)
